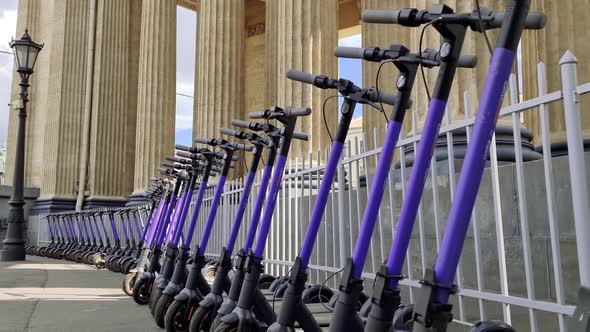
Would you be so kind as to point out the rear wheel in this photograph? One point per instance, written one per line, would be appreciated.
(161, 307)
(226, 327)
(175, 319)
(201, 320)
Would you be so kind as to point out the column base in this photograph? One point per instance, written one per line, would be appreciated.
(53, 204)
(137, 198)
(11, 252)
(504, 146)
(559, 149)
(104, 202)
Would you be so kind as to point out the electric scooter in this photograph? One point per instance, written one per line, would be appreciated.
(202, 318)
(177, 283)
(432, 312)
(177, 316)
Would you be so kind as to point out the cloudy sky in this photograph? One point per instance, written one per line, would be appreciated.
(185, 62)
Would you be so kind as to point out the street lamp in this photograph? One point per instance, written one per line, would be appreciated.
(25, 53)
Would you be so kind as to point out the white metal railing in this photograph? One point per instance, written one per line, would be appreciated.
(520, 261)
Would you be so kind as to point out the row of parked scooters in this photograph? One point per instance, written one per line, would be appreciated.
(167, 274)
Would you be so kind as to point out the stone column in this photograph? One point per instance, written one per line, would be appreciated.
(156, 91)
(382, 35)
(63, 104)
(28, 18)
(219, 68)
(301, 35)
(107, 168)
(566, 28)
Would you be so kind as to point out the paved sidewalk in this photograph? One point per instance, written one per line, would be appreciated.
(43, 294)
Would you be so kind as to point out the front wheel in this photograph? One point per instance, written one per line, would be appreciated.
(141, 292)
(161, 307)
(128, 283)
(227, 327)
(201, 320)
(175, 318)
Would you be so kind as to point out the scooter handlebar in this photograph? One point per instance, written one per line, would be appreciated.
(533, 21)
(257, 115)
(303, 111)
(380, 16)
(301, 76)
(241, 123)
(301, 136)
(349, 52)
(229, 132)
(202, 140)
(183, 147)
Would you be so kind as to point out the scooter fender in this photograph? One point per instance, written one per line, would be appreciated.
(161, 282)
(227, 307)
(211, 301)
(172, 289)
(185, 295)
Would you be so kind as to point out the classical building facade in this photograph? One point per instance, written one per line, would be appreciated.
(102, 105)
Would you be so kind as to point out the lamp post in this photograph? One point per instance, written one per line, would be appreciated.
(25, 53)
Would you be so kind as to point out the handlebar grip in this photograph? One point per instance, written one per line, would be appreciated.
(182, 147)
(184, 154)
(301, 136)
(467, 61)
(202, 140)
(382, 97)
(533, 21)
(243, 147)
(174, 159)
(169, 165)
(380, 16)
(164, 170)
(240, 123)
(257, 115)
(230, 132)
(300, 76)
(298, 111)
(349, 52)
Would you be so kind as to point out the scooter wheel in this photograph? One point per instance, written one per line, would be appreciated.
(225, 327)
(141, 292)
(174, 320)
(154, 297)
(317, 294)
(491, 326)
(162, 306)
(403, 320)
(201, 320)
(128, 283)
(265, 281)
(216, 322)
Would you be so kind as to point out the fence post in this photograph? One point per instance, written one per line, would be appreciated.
(573, 123)
(341, 214)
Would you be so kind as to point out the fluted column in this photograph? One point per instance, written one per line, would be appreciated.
(381, 35)
(63, 104)
(156, 90)
(301, 35)
(566, 28)
(108, 147)
(219, 81)
(28, 18)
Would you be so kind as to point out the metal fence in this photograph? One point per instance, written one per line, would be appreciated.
(521, 262)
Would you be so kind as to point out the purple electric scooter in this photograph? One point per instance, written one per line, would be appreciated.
(179, 313)
(203, 319)
(177, 282)
(242, 317)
